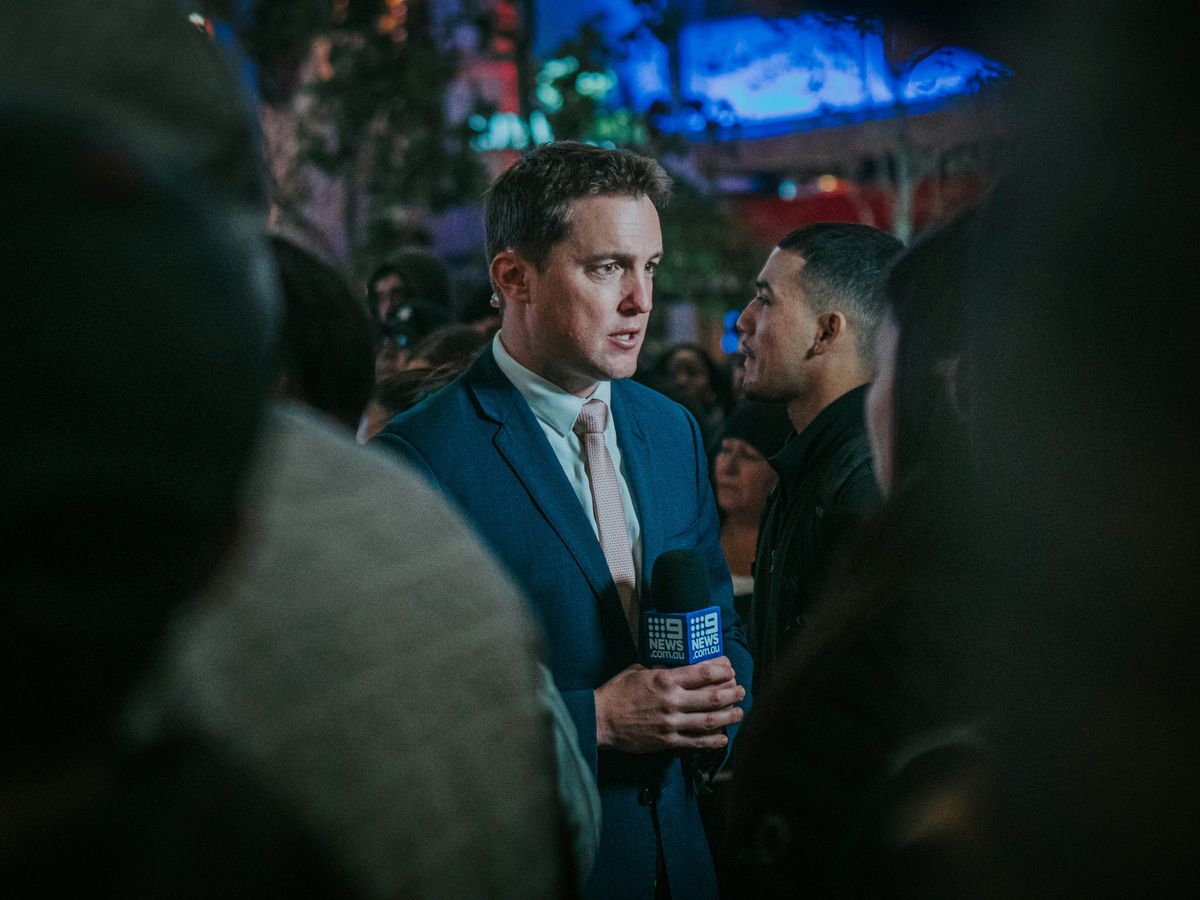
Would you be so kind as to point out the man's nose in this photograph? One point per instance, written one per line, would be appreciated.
(639, 293)
(745, 322)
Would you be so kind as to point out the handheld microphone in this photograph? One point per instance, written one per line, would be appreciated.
(682, 628)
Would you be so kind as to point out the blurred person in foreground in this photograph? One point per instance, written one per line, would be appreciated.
(580, 479)
(1084, 408)
(109, 524)
(120, 497)
(370, 660)
(871, 721)
(1086, 428)
(808, 338)
(145, 67)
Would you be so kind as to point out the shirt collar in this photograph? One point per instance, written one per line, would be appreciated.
(551, 404)
(846, 412)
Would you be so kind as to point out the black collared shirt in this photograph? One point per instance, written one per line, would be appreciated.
(826, 489)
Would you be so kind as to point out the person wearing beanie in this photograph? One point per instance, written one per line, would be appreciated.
(743, 479)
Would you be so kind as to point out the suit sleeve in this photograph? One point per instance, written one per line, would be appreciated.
(577, 792)
(581, 705)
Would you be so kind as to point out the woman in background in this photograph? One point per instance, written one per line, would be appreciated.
(692, 378)
(743, 479)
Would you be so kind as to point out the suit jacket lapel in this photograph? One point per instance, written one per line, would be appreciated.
(519, 439)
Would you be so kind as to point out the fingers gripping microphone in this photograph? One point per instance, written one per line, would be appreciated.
(682, 628)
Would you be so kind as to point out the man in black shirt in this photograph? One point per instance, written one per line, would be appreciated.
(808, 337)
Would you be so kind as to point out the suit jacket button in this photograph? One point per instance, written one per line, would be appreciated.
(647, 794)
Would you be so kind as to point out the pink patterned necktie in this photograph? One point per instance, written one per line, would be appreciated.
(610, 511)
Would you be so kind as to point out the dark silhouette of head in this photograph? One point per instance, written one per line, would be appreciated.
(327, 354)
(136, 376)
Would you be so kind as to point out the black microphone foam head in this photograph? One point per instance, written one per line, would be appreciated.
(680, 582)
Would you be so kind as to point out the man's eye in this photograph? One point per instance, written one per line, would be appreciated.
(651, 267)
(608, 268)
(763, 300)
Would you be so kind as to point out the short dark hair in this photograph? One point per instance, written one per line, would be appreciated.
(327, 349)
(844, 270)
(529, 206)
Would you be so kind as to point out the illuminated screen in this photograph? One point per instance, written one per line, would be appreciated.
(757, 72)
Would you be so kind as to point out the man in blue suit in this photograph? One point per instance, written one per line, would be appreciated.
(579, 480)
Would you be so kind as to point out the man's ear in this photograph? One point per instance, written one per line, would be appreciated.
(831, 332)
(510, 276)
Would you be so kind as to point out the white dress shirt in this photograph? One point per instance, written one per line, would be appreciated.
(556, 411)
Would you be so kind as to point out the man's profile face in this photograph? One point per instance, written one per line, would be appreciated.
(588, 309)
(777, 329)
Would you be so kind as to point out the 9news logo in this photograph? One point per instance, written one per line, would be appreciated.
(704, 635)
(680, 639)
(664, 638)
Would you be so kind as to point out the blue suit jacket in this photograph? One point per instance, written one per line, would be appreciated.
(478, 439)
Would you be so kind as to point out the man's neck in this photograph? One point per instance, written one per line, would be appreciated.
(516, 351)
(802, 410)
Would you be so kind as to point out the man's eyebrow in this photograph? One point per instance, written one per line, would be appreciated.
(763, 286)
(622, 257)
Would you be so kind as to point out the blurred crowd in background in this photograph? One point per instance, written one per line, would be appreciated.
(243, 653)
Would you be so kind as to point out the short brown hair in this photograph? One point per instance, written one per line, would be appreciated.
(529, 206)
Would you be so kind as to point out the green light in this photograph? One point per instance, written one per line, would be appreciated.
(549, 97)
(595, 84)
(558, 68)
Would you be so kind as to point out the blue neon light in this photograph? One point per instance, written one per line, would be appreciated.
(765, 74)
(645, 73)
(781, 70)
(950, 72)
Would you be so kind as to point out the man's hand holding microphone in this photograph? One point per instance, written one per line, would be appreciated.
(664, 703)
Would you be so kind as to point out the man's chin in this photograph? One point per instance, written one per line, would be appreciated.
(760, 392)
(626, 368)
